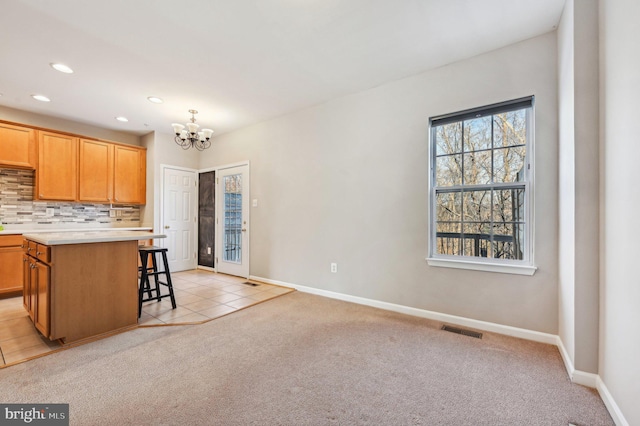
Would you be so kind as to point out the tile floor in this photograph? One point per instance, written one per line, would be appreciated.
(200, 297)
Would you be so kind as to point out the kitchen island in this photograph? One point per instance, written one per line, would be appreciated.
(79, 285)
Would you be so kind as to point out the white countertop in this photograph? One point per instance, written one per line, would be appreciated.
(83, 237)
(17, 230)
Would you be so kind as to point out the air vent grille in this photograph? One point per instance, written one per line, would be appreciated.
(462, 331)
(251, 284)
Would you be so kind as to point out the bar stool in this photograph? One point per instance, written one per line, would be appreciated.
(147, 271)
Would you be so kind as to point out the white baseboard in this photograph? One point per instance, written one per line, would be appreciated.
(579, 377)
(610, 403)
(423, 313)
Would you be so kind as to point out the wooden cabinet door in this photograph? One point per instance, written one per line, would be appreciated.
(57, 174)
(42, 280)
(32, 294)
(11, 267)
(129, 175)
(17, 146)
(26, 284)
(95, 179)
(10, 263)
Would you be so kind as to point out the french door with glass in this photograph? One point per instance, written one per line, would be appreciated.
(233, 221)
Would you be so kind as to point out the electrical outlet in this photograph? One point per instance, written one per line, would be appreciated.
(255, 202)
(118, 213)
(112, 213)
(334, 267)
(49, 212)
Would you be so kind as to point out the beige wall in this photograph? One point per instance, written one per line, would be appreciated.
(346, 182)
(620, 288)
(579, 183)
(162, 151)
(566, 187)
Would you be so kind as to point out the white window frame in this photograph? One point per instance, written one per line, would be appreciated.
(509, 266)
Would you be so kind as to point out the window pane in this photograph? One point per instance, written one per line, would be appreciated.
(510, 128)
(508, 164)
(508, 241)
(448, 170)
(508, 205)
(477, 239)
(232, 240)
(477, 168)
(448, 207)
(477, 206)
(449, 139)
(448, 239)
(477, 134)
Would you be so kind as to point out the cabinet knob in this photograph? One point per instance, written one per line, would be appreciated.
(38, 253)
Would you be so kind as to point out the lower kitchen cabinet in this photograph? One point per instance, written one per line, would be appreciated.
(10, 264)
(37, 288)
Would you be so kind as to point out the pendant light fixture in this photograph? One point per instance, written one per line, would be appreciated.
(191, 137)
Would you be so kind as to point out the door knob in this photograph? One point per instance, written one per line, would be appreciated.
(167, 227)
(244, 230)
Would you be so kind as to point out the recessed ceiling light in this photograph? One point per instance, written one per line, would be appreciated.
(155, 100)
(41, 98)
(123, 119)
(62, 68)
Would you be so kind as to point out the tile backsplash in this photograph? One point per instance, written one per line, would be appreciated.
(17, 207)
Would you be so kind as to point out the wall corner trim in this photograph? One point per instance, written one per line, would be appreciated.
(579, 377)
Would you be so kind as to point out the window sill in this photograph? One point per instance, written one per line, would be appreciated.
(483, 266)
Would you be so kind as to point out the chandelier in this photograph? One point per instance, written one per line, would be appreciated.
(192, 138)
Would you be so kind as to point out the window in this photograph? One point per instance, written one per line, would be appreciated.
(480, 185)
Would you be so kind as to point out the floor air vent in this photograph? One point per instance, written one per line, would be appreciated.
(251, 284)
(462, 331)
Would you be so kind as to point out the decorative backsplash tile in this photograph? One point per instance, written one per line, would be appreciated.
(17, 206)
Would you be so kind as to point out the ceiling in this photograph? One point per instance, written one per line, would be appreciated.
(237, 62)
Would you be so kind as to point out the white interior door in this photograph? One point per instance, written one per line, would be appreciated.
(232, 221)
(179, 218)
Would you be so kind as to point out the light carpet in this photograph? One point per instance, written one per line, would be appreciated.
(302, 359)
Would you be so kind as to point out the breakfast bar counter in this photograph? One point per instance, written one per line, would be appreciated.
(58, 238)
(78, 285)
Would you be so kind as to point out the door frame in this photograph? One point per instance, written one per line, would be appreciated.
(218, 233)
(163, 167)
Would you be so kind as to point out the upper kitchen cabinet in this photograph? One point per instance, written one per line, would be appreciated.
(129, 171)
(17, 147)
(95, 178)
(57, 173)
(111, 173)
